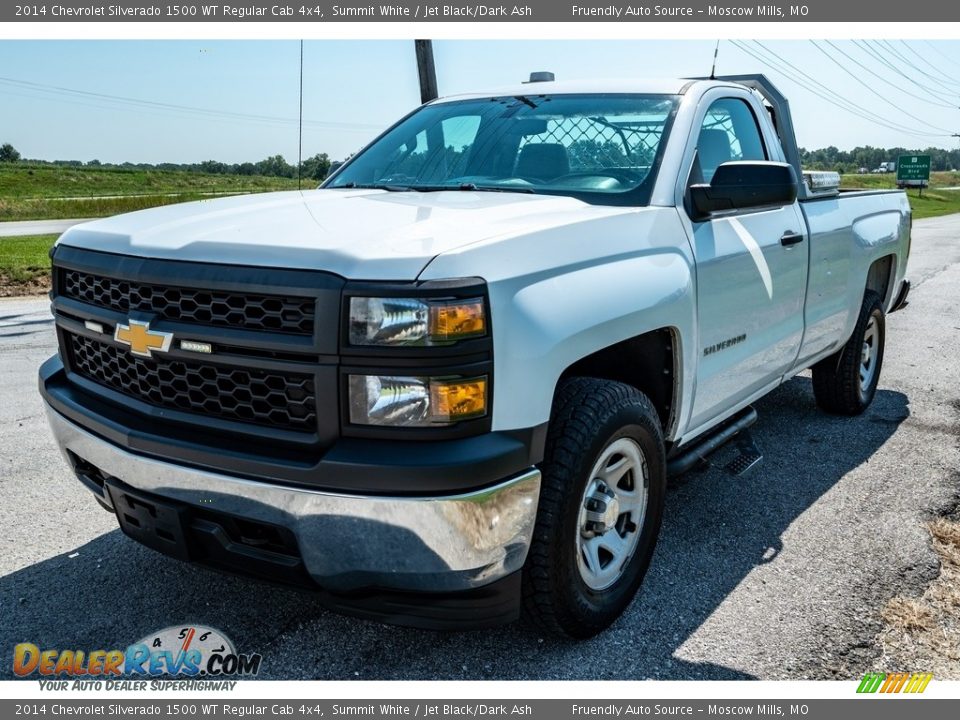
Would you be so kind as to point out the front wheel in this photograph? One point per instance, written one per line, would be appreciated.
(845, 382)
(601, 503)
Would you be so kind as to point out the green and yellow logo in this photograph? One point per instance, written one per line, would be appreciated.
(894, 682)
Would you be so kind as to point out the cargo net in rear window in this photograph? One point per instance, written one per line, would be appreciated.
(601, 143)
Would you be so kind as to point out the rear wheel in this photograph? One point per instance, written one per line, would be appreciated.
(845, 382)
(601, 504)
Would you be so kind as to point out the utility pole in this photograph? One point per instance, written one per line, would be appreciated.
(300, 124)
(426, 70)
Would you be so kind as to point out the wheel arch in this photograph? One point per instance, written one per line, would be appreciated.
(881, 277)
(649, 362)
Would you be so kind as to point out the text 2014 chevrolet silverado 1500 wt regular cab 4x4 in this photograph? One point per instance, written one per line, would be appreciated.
(450, 384)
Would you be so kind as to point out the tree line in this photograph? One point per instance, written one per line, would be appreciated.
(316, 167)
(851, 161)
(319, 166)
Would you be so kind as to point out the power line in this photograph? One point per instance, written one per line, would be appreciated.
(817, 88)
(942, 77)
(171, 107)
(878, 54)
(870, 89)
(907, 62)
(940, 52)
(889, 82)
(885, 48)
(836, 97)
(836, 100)
(120, 107)
(845, 102)
(107, 104)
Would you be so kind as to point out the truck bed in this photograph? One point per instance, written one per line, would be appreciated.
(852, 234)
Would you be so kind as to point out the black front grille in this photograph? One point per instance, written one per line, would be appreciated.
(273, 313)
(282, 401)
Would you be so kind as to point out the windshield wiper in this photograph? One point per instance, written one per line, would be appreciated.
(461, 187)
(374, 186)
(526, 101)
(498, 188)
(469, 187)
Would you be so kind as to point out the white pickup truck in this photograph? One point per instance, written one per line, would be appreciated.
(449, 385)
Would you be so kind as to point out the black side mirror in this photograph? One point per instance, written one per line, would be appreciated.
(744, 185)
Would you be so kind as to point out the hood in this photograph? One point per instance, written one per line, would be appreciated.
(358, 234)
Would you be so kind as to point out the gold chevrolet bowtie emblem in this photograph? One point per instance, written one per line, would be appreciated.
(142, 340)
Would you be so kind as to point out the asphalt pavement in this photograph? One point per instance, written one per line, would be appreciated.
(778, 574)
(38, 227)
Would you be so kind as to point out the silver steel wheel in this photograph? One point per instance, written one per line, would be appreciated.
(611, 513)
(868, 355)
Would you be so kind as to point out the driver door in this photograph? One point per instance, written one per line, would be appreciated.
(751, 273)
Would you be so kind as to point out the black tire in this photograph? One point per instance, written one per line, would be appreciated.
(588, 417)
(837, 384)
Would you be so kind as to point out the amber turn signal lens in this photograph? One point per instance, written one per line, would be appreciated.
(451, 321)
(458, 400)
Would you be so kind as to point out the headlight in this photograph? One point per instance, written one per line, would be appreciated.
(415, 401)
(411, 321)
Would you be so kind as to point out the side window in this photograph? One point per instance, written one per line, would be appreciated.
(729, 132)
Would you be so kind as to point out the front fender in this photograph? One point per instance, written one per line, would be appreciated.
(561, 294)
(552, 324)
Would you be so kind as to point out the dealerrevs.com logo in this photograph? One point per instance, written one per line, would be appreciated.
(180, 652)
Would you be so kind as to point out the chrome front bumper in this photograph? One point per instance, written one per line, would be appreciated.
(424, 544)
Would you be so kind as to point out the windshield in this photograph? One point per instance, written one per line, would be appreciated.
(601, 148)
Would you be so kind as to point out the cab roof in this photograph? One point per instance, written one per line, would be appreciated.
(631, 86)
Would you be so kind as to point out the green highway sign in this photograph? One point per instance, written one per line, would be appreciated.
(913, 169)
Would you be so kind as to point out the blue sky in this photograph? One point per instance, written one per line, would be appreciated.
(352, 89)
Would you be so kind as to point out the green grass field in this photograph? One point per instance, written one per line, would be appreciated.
(934, 201)
(43, 192)
(889, 180)
(48, 181)
(44, 209)
(24, 263)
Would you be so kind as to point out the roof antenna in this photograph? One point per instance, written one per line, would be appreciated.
(713, 69)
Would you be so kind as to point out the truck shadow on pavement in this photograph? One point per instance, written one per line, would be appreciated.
(717, 529)
(21, 325)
